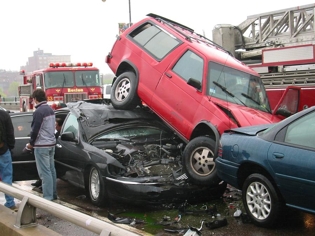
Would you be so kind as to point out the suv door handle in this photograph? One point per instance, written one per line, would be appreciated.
(168, 75)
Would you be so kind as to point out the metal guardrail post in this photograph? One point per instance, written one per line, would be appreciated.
(26, 216)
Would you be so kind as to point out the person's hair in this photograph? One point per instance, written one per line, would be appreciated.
(40, 95)
(59, 121)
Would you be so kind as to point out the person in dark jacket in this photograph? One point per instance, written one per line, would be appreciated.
(38, 183)
(43, 141)
(7, 142)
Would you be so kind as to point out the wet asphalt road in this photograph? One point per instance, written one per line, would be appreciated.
(159, 221)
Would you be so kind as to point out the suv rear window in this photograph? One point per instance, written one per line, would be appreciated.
(155, 40)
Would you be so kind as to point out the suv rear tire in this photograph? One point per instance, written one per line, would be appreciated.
(198, 161)
(123, 94)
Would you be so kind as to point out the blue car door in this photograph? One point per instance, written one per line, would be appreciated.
(293, 161)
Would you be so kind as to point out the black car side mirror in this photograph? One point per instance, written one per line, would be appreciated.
(68, 136)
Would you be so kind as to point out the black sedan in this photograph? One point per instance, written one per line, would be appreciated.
(118, 154)
(274, 165)
(2, 108)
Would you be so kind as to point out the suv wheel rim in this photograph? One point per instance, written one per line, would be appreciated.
(202, 161)
(95, 184)
(122, 90)
(258, 200)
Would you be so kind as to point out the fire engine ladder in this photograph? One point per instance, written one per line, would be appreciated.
(287, 27)
(282, 79)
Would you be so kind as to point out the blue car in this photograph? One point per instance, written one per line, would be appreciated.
(273, 165)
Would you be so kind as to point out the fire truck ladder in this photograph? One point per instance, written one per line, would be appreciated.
(282, 28)
(298, 78)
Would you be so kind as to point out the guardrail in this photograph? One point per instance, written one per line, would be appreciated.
(10, 105)
(26, 215)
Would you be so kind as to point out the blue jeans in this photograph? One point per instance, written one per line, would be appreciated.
(46, 169)
(6, 173)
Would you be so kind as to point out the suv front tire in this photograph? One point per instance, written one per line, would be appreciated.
(199, 161)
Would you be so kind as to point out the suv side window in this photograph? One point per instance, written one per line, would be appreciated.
(190, 65)
(155, 40)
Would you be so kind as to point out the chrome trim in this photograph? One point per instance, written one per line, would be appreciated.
(128, 182)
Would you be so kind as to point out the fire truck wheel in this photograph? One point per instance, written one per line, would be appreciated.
(96, 187)
(123, 94)
(198, 161)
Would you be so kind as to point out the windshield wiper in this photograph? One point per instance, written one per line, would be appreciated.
(113, 139)
(83, 81)
(224, 89)
(258, 103)
(63, 83)
(250, 98)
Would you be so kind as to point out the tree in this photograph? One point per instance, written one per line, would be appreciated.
(2, 94)
(13, 89)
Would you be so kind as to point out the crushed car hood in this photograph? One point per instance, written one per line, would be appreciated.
(246, 116)
(252, 117)
(250, 130)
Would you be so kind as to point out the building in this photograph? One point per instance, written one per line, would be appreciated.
(41, 60)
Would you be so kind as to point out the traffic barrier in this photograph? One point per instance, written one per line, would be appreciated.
(26, 215)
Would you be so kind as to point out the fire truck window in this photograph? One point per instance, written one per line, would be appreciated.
(87, 78)
(38, 81)
(59, 79)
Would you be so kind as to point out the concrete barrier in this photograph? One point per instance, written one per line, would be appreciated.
(8, 220)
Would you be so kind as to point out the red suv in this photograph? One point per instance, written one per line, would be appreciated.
(193, 84)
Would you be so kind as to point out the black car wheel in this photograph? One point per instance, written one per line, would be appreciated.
(97, 191)
(124, 92)
(261, 200)
(198, 161)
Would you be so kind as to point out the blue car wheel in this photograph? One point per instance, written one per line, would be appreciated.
(261, 200)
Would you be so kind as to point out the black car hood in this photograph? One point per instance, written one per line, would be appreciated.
(250, 130)
(98, 117)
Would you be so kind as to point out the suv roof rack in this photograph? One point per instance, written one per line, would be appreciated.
(201, 38)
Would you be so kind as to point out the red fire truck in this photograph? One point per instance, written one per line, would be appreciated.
(279, 45)
(62, 82)
(285, 66)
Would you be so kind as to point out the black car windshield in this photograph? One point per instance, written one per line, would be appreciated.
(237, 87)
(133, 132)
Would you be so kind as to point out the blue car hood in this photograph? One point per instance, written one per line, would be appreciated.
(250, 130)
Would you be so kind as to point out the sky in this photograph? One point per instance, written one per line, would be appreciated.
(87, 29)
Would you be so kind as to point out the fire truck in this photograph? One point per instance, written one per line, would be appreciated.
(279, 45)
(63, 83)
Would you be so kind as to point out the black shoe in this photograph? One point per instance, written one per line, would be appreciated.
(38, 189)
(37, 183)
